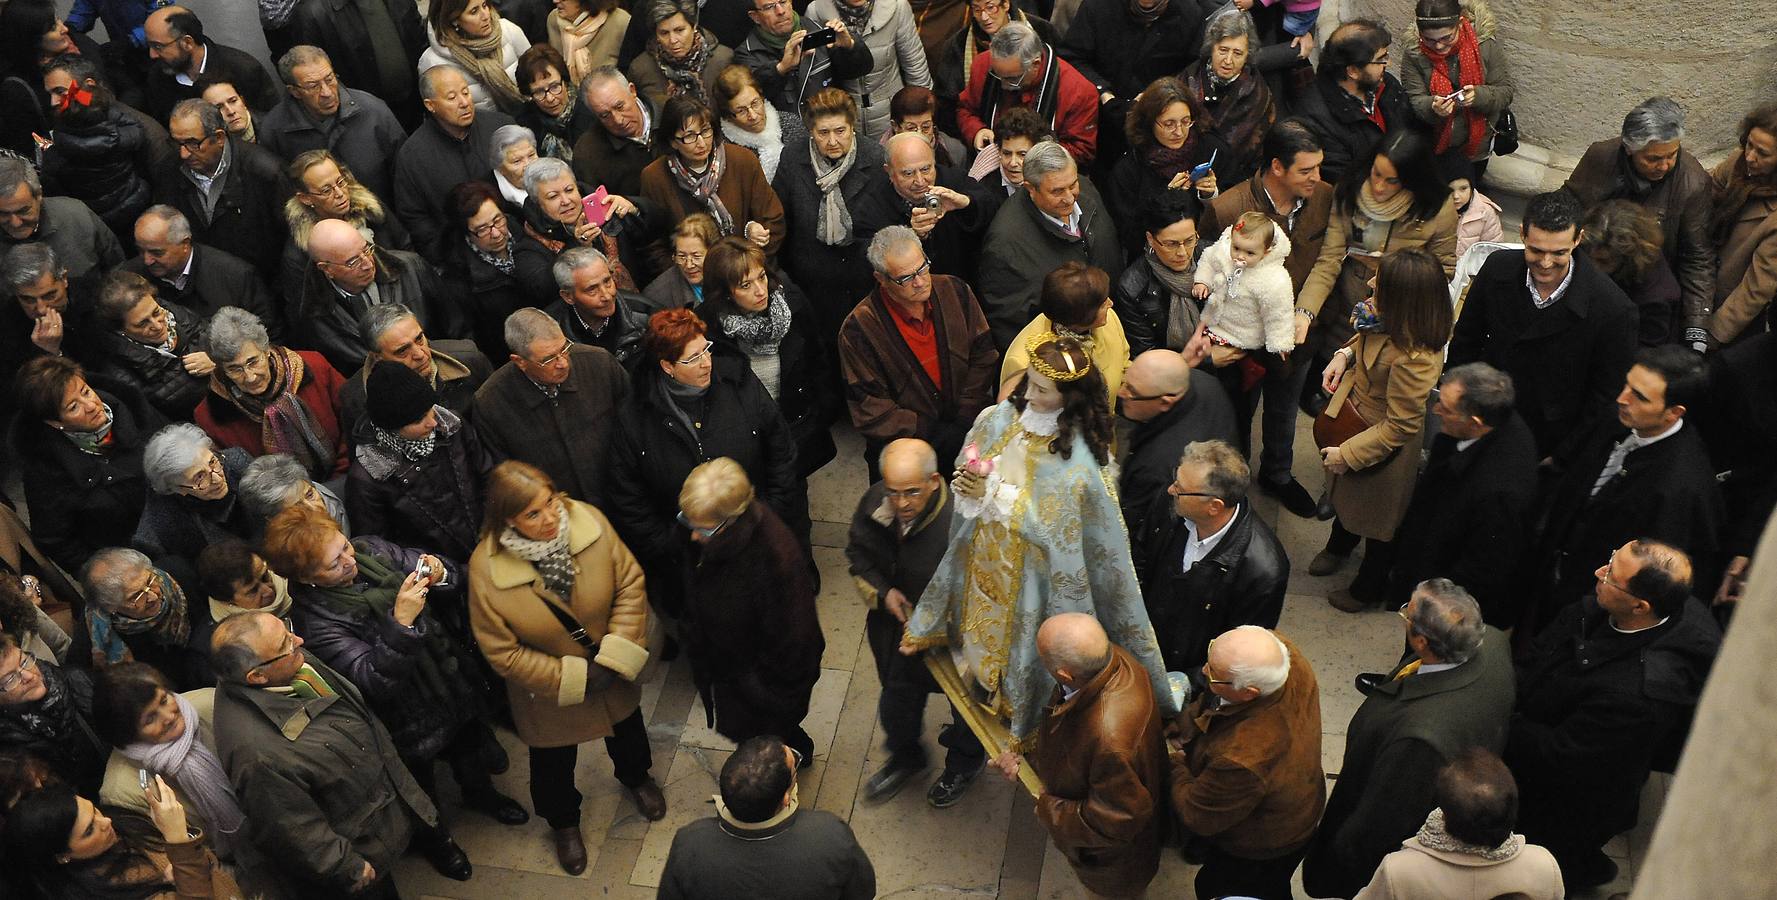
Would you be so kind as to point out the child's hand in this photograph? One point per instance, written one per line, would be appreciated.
(1200, 291)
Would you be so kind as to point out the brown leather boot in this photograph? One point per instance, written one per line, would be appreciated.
(570, 850)
(649, 801)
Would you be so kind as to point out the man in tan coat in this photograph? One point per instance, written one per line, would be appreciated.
(1246, 780)
(1101, 757)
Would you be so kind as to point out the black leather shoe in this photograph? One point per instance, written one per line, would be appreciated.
(1369, 681)
(501, 808)
(889, 780)
(494, 756)
(950, 786)
(449, 859)
(1292, 495)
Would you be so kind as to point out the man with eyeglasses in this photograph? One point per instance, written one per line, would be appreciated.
(46, 710)
(1252, 733)
(322, 113)
(787, 73)
(1206, 561)
(899, 533)
(916, 354)
(327, 799)
(181, 53)
(1172, 404)
(1355, 100)
(554, 405)
(231, 192)
(1019, 69)
(1451, 690)
(455, 369)
(1606, 688)
(936, 201)
(197, 276)
(450, 147)
(349, 276)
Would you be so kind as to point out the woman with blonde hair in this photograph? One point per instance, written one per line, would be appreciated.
(750, 625)
(325, 188)
(471, 35)
(748, 119)
(681, 285)
(558, 606)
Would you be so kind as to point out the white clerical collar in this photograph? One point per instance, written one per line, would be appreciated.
(1464, 445)
(1619, 630)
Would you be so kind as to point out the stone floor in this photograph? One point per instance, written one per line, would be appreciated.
(988, 845)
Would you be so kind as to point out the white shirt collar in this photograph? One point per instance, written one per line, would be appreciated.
(187, 80)
(1645, 441)
(1073, 219)
(1464, 445)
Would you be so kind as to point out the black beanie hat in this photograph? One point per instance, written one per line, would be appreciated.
(395, 397)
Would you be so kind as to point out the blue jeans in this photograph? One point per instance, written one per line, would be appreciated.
(1297, 24)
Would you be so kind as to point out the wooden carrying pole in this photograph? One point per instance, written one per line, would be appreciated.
(995, 737)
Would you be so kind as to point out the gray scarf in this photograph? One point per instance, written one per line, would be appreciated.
(855, 17)
(550, 558)
(833, 221)
(1183, 313)
(759, 334)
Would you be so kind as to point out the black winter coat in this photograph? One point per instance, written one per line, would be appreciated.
(105, 159)
(161, 378)
(492, 294)
(1346, 132)
(1240, 582)
(1567, 361)
(1593, 704)
(836, 278)
(806, 395)
(82, 502)
(1739, 423)
(1471, 519)
(249, 217)
(652, 452)
(219, 279)
(1120, 55)
(337, 27)
(433, 504)
(1143, 305)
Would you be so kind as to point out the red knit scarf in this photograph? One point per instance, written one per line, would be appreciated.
(1468, 67)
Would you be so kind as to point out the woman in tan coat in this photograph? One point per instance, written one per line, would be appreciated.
(1387, 370)
(1745, 230)
(548, 565)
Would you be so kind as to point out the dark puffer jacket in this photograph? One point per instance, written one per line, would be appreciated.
(653, 452)
(805, 394)
(434, 504)
(104, 158)
(160, 378)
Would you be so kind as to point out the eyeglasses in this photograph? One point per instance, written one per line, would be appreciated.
(909, 494)
(1139, 398)
(11, 679)
(703, 532)
(310, 87)
(1175, 246)
(924, 267)
(773, 6)
(338, 186)
(1178, 490)
(1440, 41)
(547, 91)
(290, 642)
(1379, 62)
(196, 144)
(982, 6)
(1175, 124)
(1016, 84)
(139, 598)
(498, 224)
(695, 137)
(207, 479)
(158, 46)
(693, 257)
(755, 108)
(358, 260)
(1206, 674)
(1604, 578)
(558, 356)
(699, 356)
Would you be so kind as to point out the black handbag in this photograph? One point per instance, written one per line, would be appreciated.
(1505, 134)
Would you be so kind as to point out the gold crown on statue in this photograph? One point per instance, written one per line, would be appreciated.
(1074, 371)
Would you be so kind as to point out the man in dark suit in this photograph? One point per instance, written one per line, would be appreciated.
(1547, 317)
(951, 233)
(1206, 562)
(176, 42)
(1171, 404)
(1610, 679)
(200, 278)
(1470, 519)
(231, 192)
(348, 276)
(1452, 690)
(1644, 476)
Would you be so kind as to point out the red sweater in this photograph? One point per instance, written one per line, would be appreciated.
(229, 427)
(1076, 107)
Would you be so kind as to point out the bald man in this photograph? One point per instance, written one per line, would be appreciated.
(898, 535)
(1101, 757)
(181, 53)
(1246, 777)
(348, 275)
(911, 181)
(1171, 404)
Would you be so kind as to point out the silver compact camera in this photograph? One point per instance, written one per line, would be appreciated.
(931, 202)
(423, 570)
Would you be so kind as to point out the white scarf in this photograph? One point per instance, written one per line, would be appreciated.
(768, 144)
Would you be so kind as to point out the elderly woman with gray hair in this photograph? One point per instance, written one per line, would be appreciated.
(512, 150)
(1235, 103)
(555, 219)
(192, 500)
(276, 481)
(137, 610)
(270, 399)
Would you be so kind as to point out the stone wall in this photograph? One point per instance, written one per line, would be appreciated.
(1579, 65)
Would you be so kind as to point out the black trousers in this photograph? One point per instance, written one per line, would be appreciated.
(468, 758)
(1231, 876)
(553, 794)
(1280, 387)
(905, 685)
(1371, 584)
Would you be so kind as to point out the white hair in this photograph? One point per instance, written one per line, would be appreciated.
(887, 241)
(528, 326)
(1043, 160)
(1017, 40)
(1269, 679)
(1654, 120)
(173, 450)
(505, 138)
(267, 484)
(232, 329)
(110, 575)
(546, 168)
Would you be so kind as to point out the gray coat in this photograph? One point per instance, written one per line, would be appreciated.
(364, 135)
(892, 34)
(320, 782)
(79, 237)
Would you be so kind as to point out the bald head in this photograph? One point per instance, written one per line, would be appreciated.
(1253, 659)
(339, 251)
(911, 166)
(1161, 371)
(1073, 647)
(908, 459)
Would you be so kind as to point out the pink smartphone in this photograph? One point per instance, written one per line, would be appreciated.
(596, 210)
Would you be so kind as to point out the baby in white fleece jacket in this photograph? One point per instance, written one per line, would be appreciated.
(1252, 303)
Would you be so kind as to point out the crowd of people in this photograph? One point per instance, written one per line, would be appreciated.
(377, 381)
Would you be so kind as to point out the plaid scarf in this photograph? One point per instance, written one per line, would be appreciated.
(703, 187)
(550, 558)
(287, 425)
(169, 624)
(412, 450)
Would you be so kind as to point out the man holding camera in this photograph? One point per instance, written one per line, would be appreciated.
(793, 59)
(931, 199)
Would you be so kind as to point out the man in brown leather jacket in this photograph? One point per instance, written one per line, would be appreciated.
(1101, 758)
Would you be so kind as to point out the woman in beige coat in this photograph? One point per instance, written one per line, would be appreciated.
(587, 33)
(1745, 230)
(1387, 370)
(546, 565)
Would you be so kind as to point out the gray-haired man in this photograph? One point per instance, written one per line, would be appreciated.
(593, 310)
(455, 369)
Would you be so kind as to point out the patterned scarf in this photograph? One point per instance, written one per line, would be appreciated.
(855, 17)
(703, 187)
(412, 450)
(169, 624)
(194, 768)
(1239, 111)
(833, 225)
(1468, 68)
(685, 74)
(759, 334)
(1433, 836)
(485, 61)
(54, 717)
(93, 441)
(504, 262)
(287, 425)
(557, 141)
(1365, 317)
(1167, 162)
(550, 558)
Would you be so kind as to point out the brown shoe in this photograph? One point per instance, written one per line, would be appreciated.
(570, 850)
(1344, 601)
(649, 801)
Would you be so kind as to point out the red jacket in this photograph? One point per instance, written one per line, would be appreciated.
(229, 427)
(1076, 107)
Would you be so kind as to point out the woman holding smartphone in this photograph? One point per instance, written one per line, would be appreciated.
(63, 845)
(1167, 151)
(1457, 82)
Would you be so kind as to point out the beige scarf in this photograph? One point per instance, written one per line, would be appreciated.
(484, 58)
